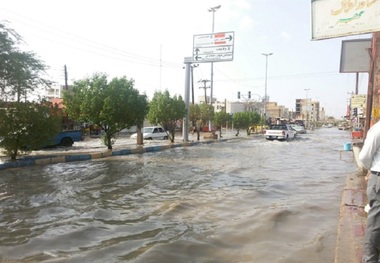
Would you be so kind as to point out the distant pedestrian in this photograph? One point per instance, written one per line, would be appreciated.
(370, 157)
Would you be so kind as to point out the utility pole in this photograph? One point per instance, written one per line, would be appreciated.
(204, 87)
(66, 85)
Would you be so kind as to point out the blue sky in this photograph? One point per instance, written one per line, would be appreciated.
(147, 40)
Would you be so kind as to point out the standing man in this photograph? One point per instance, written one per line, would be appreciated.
(370, 157)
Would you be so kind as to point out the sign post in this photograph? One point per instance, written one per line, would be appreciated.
(185, 126)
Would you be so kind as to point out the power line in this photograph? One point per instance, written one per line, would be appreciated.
(116, 53)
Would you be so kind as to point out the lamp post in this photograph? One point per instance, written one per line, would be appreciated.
(213, 10)
(266, 82)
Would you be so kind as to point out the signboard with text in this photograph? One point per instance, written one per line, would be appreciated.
(358, 101)
(214, 47)
(337, 18)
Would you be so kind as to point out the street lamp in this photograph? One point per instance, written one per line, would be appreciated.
(213, 10)
(266, 81)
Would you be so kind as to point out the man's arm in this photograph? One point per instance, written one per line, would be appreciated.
(370, 147)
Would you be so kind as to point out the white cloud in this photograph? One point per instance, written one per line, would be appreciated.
(245, 23)
(285, 36)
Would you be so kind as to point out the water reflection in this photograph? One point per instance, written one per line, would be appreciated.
(246, 200)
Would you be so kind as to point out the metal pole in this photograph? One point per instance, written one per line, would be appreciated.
(357, 84)
(212, 9)
(192, 82)
(185, 130)
(266, 82)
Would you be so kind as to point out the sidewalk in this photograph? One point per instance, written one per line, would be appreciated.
(353, 218)
(92, 148)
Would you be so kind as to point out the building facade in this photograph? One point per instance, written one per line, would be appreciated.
(54, 92)
(309, 111)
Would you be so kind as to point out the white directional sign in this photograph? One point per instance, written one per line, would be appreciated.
(213, 47)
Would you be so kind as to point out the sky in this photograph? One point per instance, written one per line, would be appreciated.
(148, 40)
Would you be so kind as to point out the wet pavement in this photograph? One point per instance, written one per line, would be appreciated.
(352, 220)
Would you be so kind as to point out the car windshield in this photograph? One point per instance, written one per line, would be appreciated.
(278, 127)
(296, 126)
(148, 130)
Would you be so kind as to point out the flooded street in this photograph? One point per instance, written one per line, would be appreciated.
(247, 200)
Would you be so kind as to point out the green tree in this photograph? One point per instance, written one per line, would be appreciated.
(113, 106)
(194, 117)
(166, 111)
(221, 118)
(241, 121)
(255, 120)
(20, 71)
(194, 114)
(8, 40)
(27, 125)
(206, 113)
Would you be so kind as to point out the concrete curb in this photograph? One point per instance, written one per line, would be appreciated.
(353, 218)
(73, 157)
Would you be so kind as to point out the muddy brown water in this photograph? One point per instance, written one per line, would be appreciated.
(247, 200)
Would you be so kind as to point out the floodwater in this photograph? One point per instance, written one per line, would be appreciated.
(247, 200)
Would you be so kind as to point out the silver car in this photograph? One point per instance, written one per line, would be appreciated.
(153, 133)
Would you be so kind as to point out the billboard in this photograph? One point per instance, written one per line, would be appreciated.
(355, 56)
(338, 18)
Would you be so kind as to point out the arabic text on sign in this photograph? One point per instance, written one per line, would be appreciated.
(351, 5)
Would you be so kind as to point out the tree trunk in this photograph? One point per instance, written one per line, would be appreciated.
(109, 143)
(14, 154)
(140, 140)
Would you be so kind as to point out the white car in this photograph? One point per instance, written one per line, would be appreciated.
(280, 132)
(298, 128)
(152, 133)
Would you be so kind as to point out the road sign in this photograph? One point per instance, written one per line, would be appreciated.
(213, 47)
(358, 101)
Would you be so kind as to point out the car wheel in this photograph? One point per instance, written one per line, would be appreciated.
(67, 142)
(166, 137)
(150, 138)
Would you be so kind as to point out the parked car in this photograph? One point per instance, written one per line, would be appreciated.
(152, 133)
(66, 138)
(344, 126)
